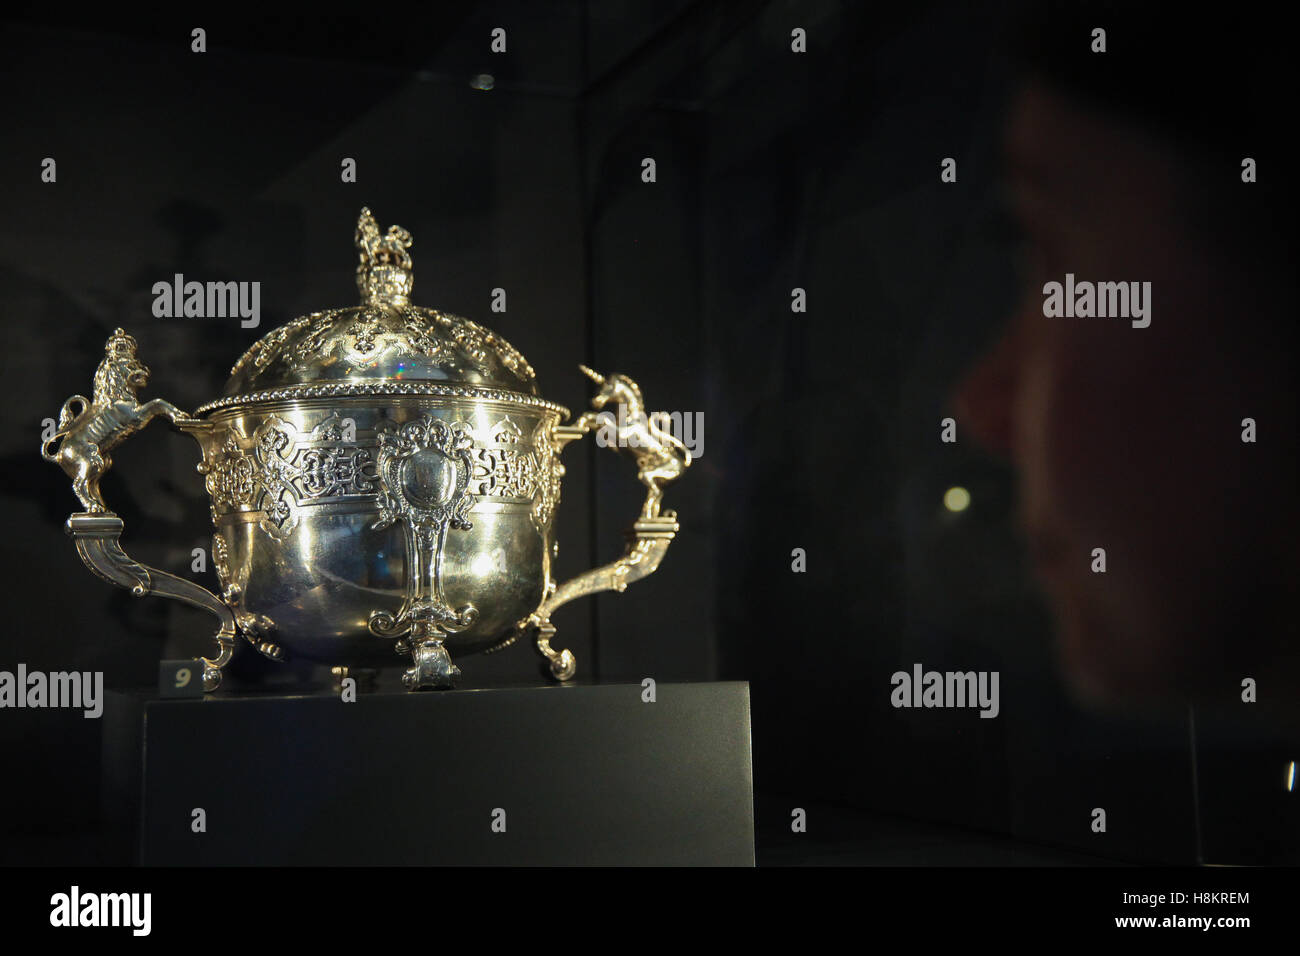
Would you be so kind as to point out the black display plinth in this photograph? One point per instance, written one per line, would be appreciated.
(570, 774)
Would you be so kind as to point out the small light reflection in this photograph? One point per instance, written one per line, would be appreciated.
(1290, 778)
(484, 564)
(956, 499)
(484, 81)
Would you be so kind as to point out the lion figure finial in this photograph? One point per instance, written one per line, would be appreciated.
(385, 273)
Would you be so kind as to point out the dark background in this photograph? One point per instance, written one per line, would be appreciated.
(775, 171)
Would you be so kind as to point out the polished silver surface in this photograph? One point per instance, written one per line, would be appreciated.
(298, 510)
(382, 478)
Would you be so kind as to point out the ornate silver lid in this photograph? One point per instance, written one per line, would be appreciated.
(385, 346)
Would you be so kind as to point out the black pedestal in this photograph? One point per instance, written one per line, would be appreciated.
(534, 776)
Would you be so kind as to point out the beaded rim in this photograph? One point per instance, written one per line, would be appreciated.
(362, 389)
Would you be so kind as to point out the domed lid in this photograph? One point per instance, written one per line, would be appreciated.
(385, 346)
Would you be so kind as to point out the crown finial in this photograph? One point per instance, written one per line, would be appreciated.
(385, 274)
(120, 345)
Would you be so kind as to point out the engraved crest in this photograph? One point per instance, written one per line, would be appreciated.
(424, 470)
(424, 467)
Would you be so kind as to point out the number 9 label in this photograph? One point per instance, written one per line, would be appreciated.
(180, 678)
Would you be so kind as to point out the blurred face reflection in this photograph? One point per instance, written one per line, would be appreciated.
(1129, 439)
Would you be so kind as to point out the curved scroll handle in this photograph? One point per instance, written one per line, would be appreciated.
(660, 458)
(87, 432)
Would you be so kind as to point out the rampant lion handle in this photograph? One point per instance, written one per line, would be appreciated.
(87, 430)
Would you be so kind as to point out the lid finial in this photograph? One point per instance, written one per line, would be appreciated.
(385, 274)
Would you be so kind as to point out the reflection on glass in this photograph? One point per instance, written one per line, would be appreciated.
(956, 499)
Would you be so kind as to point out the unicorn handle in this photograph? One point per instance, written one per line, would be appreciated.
(647, 543)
